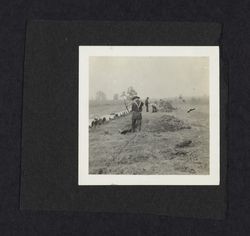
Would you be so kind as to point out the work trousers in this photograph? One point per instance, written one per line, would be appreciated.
(136, 121)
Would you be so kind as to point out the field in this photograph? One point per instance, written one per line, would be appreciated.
(105, 108)
(157, 149)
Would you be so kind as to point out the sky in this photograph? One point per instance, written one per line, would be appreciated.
(154, 77)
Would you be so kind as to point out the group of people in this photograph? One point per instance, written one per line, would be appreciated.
(136, 109)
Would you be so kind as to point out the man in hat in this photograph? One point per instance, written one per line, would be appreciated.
(136, 113)
(146, 103)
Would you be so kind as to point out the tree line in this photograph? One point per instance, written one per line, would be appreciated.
(125, 95)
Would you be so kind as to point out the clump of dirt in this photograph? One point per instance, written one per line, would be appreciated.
(183, 168)
(166, 106)
(183, 144)
(182, 153)
(130, 159)
(168, 123)
(106, 132)
(101, 170)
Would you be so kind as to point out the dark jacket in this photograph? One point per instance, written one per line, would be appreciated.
(137, 106)
(137, 109)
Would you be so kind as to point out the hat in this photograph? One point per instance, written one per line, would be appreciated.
(133, 98)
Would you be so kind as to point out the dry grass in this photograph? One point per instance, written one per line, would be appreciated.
(153, 150)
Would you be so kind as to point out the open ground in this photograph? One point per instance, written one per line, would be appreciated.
(155, 150)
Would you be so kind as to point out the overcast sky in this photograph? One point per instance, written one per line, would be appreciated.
(154, 77)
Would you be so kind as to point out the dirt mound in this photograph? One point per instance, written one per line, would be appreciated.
(185, 143)
(168, 123)
(166, 106)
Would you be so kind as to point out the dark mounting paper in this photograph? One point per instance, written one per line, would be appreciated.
(50, 121)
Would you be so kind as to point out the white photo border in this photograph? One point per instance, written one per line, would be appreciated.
(84, 178)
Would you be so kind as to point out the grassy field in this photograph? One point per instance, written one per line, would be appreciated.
(105, 108)
(153, 150)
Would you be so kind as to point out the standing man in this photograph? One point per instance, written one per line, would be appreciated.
(136, 113)
(146, 103)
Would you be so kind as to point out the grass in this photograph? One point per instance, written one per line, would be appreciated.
(153, 150)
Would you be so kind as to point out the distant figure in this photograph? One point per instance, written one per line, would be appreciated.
(146, 103)
(136, 113)
(154, 108)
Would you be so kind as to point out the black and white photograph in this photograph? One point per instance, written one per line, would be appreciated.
(148, 115)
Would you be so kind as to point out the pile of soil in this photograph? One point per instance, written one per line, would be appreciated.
(183, 144)
(168, 123)
(165, 106)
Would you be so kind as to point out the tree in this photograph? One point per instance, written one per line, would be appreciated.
(100, 96)
(116, 97)
(127, 97)
(131, 92)
(123, 95)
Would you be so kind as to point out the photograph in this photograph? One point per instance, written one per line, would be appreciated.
(148, 115)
